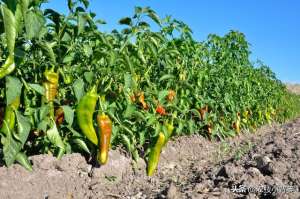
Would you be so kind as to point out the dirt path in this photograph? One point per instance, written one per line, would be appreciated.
(190, 167)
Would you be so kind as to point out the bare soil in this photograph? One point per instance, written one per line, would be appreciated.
(295, 88)
(190, 167)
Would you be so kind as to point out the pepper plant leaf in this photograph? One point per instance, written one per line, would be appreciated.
(13, 88)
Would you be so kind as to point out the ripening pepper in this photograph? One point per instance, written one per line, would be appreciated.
(59, 116)
(9, 116)
(202, 111)
(209, 128)
(155, 153)
(51, 85)
(142, 100)
(105, 126)
(236, 125)
(171, 95)
(132, 98)
(85, 111)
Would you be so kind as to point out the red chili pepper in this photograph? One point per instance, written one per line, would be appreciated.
(161, 110)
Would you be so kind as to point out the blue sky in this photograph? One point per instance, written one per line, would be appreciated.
(271, 26)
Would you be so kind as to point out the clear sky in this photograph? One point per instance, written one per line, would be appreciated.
(271, 26)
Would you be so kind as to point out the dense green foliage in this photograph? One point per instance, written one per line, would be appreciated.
(217, 89)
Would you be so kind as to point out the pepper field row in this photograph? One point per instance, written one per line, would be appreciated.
(60, 74)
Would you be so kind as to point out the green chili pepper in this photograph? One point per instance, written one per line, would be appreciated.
(155, 153)
(9, 116)
(68, 79)
(170, 129)
(84, 112)
(50, 85)
(8, 67)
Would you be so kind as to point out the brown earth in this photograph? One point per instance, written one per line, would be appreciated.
(265, 163)
(295, 88)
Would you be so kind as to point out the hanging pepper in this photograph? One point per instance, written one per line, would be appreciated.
(84, 112)
(105, 126)
(202, 111)
(142, 100)
(171, 95)
(10, 25)
(237, 123)
(8, 67)
(9, 116)
(161, 110)
(209, 128)
(59, 116)
(132, 98)
(50, 85)
(155, 153)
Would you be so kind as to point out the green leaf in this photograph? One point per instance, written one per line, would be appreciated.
(48, 48)
(81, 144)
(89, 76)
(43, 111)
(127, 143)
(43, 125)
(69, 58)
(24, 127)
(69, 114)
(195, 112)
(82, 20)
(86, 3)
(23, 160)
(129, 111)
(88, 50)
(37, 88)
(125, 21)
(11, 148)
(19, 18)
(34, 22)
(11, 4)
(128, 82)
(138, 10)
(166, 77)
(78, 87)
(162, 96)
(55, 138)
(154, 17)
(71, 5)
(151, 120)
(13, 88)
(10, 28)
(24, 6)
